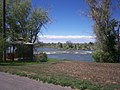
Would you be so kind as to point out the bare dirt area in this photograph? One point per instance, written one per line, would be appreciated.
(99, 73)
(70, 73)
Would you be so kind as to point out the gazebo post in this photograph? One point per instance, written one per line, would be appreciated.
(13, 52)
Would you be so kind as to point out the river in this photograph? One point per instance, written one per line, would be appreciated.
(80, 55)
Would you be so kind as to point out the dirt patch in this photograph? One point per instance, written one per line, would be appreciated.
(99, 73)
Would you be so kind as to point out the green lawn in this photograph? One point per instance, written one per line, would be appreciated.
(54, 72)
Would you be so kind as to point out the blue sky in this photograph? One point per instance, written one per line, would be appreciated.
(67, 21)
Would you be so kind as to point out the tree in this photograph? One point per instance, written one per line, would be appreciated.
(104, 29)
(60, 45)
(22, 21)
(17, 18)
(69, 44)
(38, 19)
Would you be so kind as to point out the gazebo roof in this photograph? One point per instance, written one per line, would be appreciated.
(19, 42)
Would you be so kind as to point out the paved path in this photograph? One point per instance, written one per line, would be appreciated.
(13, 82)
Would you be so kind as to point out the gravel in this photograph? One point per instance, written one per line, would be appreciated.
(13, 82)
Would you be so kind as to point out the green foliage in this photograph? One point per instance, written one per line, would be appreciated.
(1, 47)
(104, 26)
(101, 56)
(22, 20)
(38, 19)
(60, 45)
(68, 45)
(42, 57)
(17, 18)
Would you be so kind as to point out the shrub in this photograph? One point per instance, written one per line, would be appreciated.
(42, 57)
(100, 56)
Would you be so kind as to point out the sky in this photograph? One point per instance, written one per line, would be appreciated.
(67, 22)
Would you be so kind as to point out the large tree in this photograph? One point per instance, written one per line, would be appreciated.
(38, 18)
(100, 11)
(22, 20)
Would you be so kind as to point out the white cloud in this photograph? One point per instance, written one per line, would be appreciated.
(66, 37)
(63, 39)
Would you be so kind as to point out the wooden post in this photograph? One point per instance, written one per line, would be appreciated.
(13, 54)
(31, 52)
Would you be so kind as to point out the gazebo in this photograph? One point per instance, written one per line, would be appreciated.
(19, 50)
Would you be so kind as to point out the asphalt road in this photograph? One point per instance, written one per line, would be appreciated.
(13, 82)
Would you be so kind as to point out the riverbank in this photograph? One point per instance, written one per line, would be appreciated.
(76, 74)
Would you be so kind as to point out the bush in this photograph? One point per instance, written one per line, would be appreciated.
(100, 56)
(42, 57)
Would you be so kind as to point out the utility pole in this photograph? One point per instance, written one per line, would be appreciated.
(4, 28)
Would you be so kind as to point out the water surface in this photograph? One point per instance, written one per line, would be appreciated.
(80, 55)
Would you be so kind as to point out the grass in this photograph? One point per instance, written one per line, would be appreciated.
(23, 63)
(56, 72)
(16, 63)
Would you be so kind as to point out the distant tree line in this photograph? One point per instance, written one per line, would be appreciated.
(68, 45)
